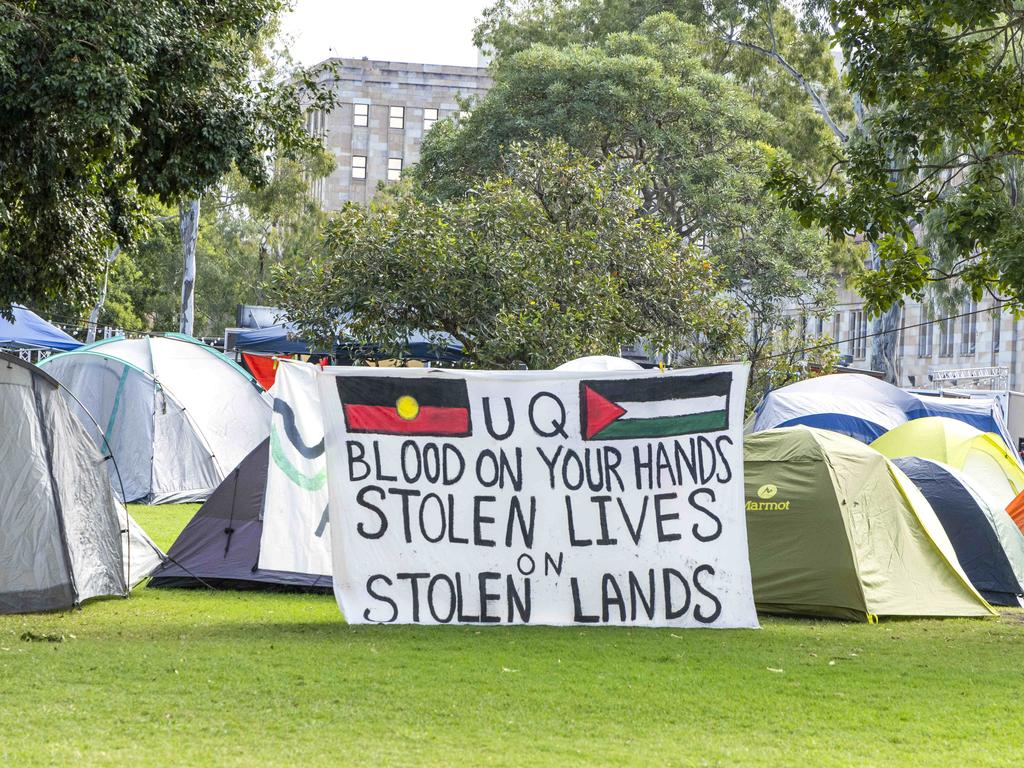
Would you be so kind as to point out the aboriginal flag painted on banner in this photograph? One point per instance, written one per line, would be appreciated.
(397, 405)
(654, 406)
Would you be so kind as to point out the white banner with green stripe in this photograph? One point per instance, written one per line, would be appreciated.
(294, 535)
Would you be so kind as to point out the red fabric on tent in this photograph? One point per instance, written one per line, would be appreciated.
(1015, 509)
(263, 369)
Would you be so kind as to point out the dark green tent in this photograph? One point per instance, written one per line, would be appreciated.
(835, 529)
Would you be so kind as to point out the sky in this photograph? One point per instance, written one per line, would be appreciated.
(421, 31)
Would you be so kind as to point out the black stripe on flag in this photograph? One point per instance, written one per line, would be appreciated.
(654, 388)
(429, 391)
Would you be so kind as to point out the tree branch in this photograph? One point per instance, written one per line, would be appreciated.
(819, 103)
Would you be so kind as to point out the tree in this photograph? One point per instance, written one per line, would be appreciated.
(646, 99)
(933, 177)
(550, 258)
(105, 104)
(785, 66)
(243, 230)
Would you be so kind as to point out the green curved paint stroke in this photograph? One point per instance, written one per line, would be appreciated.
(304, 481)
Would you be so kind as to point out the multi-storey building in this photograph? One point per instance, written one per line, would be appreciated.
(384, 110)
(973, 345)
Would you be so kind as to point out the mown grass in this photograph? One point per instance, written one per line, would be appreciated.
(173, 677)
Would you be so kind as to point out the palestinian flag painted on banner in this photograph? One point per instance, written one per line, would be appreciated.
(396, 405)
(655, 406)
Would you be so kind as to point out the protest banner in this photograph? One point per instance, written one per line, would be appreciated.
(489, 497)
(295, 521)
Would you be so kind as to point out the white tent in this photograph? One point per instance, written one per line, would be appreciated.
(176, 415)
(599, 363)
(63, 537)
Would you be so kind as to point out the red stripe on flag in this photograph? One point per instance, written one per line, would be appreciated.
(430, 420)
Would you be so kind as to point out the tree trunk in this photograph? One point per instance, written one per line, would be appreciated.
(94, 316)
(885, 343)
(885, 346)
(189, 228)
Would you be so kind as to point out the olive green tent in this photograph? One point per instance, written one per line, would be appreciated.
(835, 529)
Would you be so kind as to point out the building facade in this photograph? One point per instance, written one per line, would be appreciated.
(973, 345)
(384, 110)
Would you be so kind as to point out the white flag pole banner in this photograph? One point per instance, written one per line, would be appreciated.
(492, 497)
(295, 522)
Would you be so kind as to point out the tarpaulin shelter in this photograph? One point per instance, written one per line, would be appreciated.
(63, 537)
(177, 415)
(30, 331)
(992, 470)
(285, 339)
(971, 527)
(835, 529)
(865, 408)
(220, 546)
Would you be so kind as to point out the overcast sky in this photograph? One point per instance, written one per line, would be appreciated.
(422, 31)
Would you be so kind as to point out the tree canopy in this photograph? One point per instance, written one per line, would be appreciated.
(243, 232)
(549, 258)
(646, 98)
(103, 105)
(933, 175)
(785, 66)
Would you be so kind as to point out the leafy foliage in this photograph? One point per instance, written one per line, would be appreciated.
(242, 232)
(784, 66)
(933, 177)
(105, 104)
(548, 259)
(646, 99)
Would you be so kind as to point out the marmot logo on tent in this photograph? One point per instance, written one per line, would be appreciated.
(767, 491)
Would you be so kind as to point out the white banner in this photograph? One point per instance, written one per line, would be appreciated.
(490, 497)
(295, 522)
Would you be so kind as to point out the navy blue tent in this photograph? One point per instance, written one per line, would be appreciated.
(284, 339)
(30, 331)
(973, 537)
(220, 546)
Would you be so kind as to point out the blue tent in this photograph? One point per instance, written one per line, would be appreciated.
(30, 331)
(865, 408)
(283, 339)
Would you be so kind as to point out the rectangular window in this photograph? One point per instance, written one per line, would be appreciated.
(924, 332)
(315, 121)
(429, 118)
(820, 326)
(397, 118)
(394, 168)
(358, 166)
(360, 115)
(946, 332)
(968, 327)
(997, 322)
(858, 334)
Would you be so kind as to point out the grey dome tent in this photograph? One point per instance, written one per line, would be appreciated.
(220, 546)
(176, 414)
(65, 539)
(970, 530)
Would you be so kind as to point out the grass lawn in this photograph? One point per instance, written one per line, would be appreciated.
(175, 677)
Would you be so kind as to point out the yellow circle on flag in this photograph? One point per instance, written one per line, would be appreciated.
(407, 407)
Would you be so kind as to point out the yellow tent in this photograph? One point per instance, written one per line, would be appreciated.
(982, 456)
